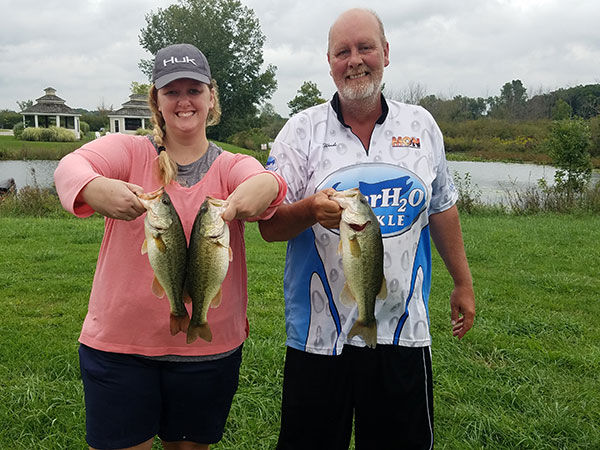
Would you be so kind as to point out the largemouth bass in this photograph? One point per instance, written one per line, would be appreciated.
(361, 247)
(166, 247)
(209, 255)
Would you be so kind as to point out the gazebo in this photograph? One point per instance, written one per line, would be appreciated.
(51, 110)
(134, 114)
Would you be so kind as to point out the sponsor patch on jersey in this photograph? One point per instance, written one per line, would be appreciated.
(406, 141)
(398, 196)
(271, 163)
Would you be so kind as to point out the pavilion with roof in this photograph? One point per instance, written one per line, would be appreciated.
(135, 113)
(51, 110)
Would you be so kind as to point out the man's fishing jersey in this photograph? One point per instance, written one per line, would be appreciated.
(405, 178)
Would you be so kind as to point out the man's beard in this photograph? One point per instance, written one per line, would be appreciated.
(363, 90)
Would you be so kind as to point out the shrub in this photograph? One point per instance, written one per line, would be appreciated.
(143, 131)
(251, 139)
(51, 134)
(18, 130)
(568, 145)
(84, 127)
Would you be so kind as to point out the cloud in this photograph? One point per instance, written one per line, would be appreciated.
(89, 50)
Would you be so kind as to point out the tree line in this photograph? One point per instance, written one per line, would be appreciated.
(229, 34)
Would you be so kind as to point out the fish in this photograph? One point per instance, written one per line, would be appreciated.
(209, 255)
(166, 246)
(361, 247)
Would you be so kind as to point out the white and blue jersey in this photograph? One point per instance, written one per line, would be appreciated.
(405, 177)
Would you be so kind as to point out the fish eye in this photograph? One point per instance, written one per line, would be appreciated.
(165, 201)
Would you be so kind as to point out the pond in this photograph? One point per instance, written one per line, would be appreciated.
(491, 179)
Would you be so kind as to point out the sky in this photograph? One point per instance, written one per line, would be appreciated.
(89, 50)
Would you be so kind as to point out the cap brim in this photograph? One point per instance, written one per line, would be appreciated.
(161, 82)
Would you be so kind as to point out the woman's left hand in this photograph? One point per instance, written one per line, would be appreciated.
(252, 197)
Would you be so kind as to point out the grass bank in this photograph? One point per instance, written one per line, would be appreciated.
(527, 376)
(14, 149)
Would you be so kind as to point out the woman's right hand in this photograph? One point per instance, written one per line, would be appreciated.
(113, 198)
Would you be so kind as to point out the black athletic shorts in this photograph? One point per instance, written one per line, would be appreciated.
(129, 399)
(387, 390)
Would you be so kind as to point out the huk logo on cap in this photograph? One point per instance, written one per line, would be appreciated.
(184, 60)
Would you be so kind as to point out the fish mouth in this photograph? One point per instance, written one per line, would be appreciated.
(151, 195)
(358, 226)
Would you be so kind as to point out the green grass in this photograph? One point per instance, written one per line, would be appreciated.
(527, 376)
(12, 148)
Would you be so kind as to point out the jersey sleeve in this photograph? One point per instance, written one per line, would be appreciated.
(289, 157)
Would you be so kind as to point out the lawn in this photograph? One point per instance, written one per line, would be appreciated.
(527, 376)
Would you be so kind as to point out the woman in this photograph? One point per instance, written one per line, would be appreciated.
(139, 380)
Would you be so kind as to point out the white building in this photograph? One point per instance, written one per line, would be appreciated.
(134, 114)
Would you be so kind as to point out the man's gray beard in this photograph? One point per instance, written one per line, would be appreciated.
(360, 92)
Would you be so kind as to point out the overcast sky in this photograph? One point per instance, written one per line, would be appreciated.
(88, 50)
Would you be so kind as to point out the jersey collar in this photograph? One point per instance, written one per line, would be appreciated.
(335, 104)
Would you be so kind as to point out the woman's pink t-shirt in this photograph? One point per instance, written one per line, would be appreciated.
(123, 314)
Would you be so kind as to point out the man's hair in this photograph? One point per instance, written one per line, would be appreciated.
(367, 10)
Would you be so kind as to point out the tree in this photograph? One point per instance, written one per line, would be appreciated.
(413, 94)
(562, 110)
(230, 37)
(24, 104)
(568, 145)
(140, 88)
(511, 103)
(308, 95)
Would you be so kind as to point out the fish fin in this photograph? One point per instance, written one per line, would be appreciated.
(366, 331)
(230, 254)
(340, 248)
(196, 331)
(160, 244)
(383, 291)
(187, 298)
(157, 288)
(179, 323)
(346, 296)
(216, 301)
(145, 247)
(355, 248)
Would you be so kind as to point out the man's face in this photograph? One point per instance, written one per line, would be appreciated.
(357, 55)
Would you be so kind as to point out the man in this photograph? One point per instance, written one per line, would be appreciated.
(394, 153)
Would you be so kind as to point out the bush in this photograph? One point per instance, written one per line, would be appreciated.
(250, 139)
(18, 130)
(51, 134)
(568, 145)
(8, 119)
(143, 131)
(84, 127)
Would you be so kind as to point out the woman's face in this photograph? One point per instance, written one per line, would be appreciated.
(185, 104)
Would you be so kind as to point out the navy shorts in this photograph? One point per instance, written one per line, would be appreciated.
(388, 391)
(130, 399)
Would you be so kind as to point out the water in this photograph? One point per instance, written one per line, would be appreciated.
(28, 173)
(491, 179)
(494, 179)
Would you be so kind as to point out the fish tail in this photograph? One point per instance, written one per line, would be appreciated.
(367, 331)
(195, 331)
(179, 323)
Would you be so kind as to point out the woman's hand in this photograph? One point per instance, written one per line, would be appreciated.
(113, 198)
(252, 197)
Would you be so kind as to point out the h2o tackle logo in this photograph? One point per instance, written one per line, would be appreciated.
(397, 196)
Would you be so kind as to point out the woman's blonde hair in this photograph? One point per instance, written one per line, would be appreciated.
(167, 168)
